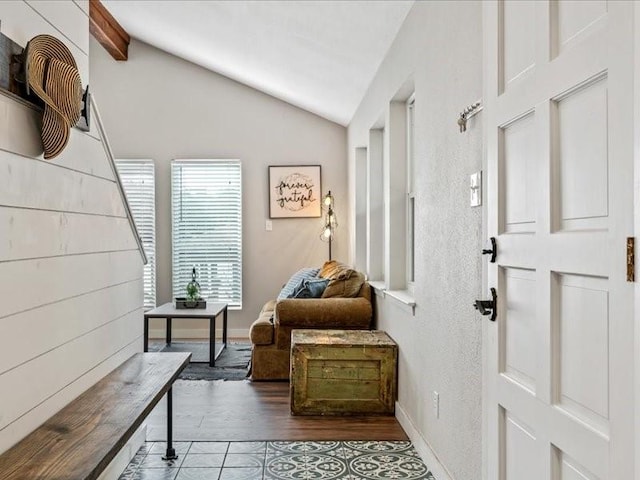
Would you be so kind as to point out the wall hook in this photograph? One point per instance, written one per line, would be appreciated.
(467, 113)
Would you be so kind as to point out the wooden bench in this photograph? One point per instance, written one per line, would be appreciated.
(80, 441)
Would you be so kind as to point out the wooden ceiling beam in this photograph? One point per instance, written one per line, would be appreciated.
(106, 30)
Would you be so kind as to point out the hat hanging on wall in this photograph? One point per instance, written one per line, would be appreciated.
(52, 74)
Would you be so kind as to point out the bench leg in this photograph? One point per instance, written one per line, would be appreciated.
(171, 452)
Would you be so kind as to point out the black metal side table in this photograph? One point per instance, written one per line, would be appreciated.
(168, 311)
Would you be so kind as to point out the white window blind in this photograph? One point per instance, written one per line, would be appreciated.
(206, 203)
(138, 181)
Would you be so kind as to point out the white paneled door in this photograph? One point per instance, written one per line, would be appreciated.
(559, 138)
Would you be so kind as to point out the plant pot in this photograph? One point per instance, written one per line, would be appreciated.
(186, 303)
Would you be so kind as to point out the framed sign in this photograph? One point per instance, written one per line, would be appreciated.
(294, 191)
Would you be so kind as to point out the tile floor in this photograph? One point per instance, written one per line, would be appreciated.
(279, 461)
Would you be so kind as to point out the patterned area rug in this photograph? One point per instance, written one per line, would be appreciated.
(363, 460)
(232, 364)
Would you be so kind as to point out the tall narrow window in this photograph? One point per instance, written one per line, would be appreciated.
(410, 192)
(138, 181)
(375, 206)
(206, 204)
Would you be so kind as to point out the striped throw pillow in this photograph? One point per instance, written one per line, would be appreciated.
(295, 280)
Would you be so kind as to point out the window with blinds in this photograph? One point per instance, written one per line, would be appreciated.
(206, 204)
(138, 181)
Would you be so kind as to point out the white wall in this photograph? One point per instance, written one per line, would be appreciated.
(439, 48)
(70, 271)
(158, 106)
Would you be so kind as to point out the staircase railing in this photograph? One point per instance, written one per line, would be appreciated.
(95, 114)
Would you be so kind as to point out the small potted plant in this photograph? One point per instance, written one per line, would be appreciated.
(193, 298)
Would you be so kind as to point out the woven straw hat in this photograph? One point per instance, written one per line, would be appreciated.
(53, 75)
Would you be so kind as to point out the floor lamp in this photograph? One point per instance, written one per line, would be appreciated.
(330, 222)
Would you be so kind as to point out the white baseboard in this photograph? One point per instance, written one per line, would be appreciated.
(124, 456)
(177, 332)
(423, 448)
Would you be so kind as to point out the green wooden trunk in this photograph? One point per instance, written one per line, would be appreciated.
(342, 372)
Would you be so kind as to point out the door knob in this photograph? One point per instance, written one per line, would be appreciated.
(493, 251)
(488, 307)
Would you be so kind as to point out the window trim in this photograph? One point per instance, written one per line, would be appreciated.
(410, 251)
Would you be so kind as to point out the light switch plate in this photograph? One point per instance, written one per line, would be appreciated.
(475, 189)
(268, 225)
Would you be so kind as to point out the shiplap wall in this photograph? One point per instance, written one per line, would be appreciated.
(70, 271)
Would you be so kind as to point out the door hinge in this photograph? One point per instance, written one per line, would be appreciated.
(631, 259)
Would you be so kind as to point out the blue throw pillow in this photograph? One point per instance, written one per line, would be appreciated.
(295, 280)
(310, 288)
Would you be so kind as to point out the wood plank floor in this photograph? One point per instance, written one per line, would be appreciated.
(233, 411)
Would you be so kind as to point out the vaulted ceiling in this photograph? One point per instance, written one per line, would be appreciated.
(318, 55)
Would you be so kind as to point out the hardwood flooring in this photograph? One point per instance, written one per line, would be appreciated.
(254, 411)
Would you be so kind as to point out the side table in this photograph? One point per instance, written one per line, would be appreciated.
(168, 311)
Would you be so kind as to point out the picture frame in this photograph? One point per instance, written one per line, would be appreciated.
(295, 191)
